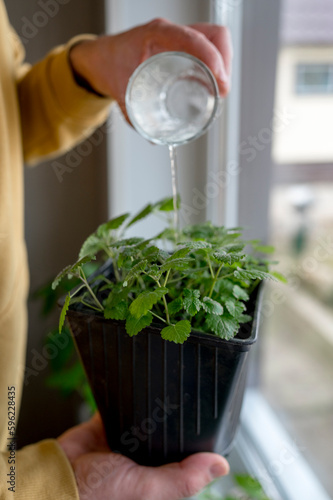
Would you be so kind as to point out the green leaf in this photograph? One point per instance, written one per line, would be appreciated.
(252, 274)
(182, 252)
(145, 301)
(134, 325)
(114, 223)
(196, 245)
(263, 248)
(151, 250)
(192, 302)
(68, 270)
(224, 327)
(235, 247)
(279, 276)
(119, 311)
(235, 308)
(154, 272)
(177, 333)
(228, 258)
(251, 486)
(244, 318)
(60, 276)
(64, 312)
(126, 242)
(166, 205)
(240, 293)
(135, 271)
(177, 264)
(211, 306)
(141, 215)
(175, 306)
(91, 246)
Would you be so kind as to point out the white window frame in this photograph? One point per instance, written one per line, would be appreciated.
(244, 184)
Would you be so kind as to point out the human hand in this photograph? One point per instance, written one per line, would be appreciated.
(108, 62)
(101, 474)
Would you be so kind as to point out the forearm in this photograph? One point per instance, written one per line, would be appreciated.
(56, 112)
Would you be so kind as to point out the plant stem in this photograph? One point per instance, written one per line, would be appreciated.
(90, 306)
(214, 280)
(210, 267)
(167, 277)
(157, 316)
(114, 263)
(84, 279)
(78, 290)
(165, 305)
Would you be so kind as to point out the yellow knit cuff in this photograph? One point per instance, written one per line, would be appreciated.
(74, 101)
(44, 473)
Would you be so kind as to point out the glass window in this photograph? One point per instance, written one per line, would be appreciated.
(314, 78)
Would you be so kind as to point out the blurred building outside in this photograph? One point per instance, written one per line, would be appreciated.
(298, 337)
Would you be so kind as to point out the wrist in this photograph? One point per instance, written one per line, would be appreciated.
(78, 61)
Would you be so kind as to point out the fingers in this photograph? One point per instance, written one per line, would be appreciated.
(179, 480)
(221, 38)
(209, 43)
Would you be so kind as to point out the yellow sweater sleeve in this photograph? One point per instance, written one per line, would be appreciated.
(56, 113)
(53, 113)
(41, 472)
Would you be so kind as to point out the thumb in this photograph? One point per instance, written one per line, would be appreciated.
(179, 480)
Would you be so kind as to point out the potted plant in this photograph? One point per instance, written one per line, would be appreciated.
(163, 330)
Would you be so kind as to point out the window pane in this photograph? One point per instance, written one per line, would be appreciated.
(314, 78)
(297, 360)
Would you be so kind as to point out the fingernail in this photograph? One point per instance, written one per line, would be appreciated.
(218, 470)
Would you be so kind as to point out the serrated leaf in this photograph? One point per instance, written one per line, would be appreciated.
(240, 293)
(151, 250)
(64, 312)
(279, 276)
(135, 271)
(145, 301)
(263, 248)
(244, 318)
(175, 306)
(211, 306)
(234, 247)
(68, 270)
(114, 223)
(119, 311)
(196, 245)
(191, 301)
(166, 205)
(163, 255)
(251, 486)
(141, 215)
(224, 327)
(154, 272)
(135, 325)
(252, 274)
(228, 258)
(60, 276)
(179, 254)
(177, 333)
(177, 264)
(235, 308)
(126, 242)
(91, 246)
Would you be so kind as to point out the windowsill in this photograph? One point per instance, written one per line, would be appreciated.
(264, 450)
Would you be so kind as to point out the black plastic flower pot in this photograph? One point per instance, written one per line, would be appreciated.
(159, 401)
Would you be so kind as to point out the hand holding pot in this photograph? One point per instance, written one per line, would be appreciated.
(108, 62)
(102, 474)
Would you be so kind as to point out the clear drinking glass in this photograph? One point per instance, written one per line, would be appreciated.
(172, 98)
